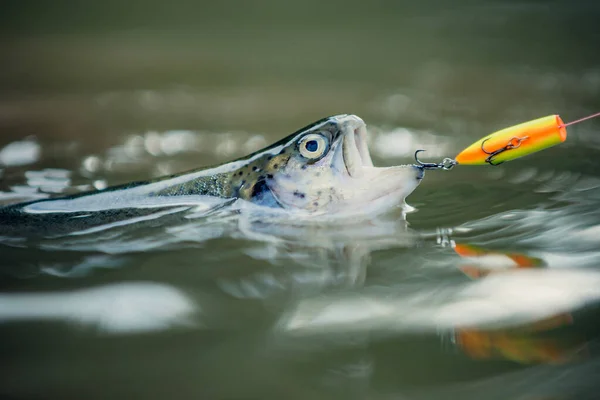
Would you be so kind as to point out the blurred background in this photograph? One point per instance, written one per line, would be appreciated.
(75, 69)
(99, 93)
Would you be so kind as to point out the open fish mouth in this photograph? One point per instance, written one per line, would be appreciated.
(355, 150)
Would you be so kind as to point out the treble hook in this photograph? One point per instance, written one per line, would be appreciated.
(446, 164)
(509, 146)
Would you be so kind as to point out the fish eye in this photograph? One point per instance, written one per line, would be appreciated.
(313, 145)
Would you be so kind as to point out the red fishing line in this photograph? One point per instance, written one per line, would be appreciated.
(582, 119)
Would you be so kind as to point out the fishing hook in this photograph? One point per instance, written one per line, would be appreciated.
(513, 143)
(446, 164)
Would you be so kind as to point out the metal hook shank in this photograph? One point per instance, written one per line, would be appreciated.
(424, 165)
(446, 164)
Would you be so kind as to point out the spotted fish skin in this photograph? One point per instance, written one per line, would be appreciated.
(249, 178)
(324, 167)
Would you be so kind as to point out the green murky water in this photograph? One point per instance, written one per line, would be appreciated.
(488, 289)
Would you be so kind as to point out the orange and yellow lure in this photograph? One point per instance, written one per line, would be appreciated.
(515, 142)
(510, 143)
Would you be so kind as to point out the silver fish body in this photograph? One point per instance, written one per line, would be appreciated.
(323, 168)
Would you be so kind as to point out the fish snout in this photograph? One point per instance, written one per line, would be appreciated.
(349, 121)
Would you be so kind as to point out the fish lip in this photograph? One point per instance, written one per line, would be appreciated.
(355, 149)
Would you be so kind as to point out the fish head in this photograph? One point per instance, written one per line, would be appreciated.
(326, 168)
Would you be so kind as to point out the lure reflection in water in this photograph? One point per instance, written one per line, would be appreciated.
(545, 341)
(481, 262)
(534, 342)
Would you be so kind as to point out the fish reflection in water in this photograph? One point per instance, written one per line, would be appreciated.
(329, 255)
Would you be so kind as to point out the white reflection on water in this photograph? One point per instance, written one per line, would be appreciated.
(144, 150)
(119, 308)
(49, 180)
(20, 153)
(403, 142)
(498, 301)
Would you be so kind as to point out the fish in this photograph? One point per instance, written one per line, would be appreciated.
(323, 169)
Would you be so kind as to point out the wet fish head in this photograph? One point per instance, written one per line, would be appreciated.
(325, 168)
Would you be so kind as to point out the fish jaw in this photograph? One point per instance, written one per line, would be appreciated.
(377, 189)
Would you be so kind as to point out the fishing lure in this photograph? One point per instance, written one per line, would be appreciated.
(510, 143)
(515, 142)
